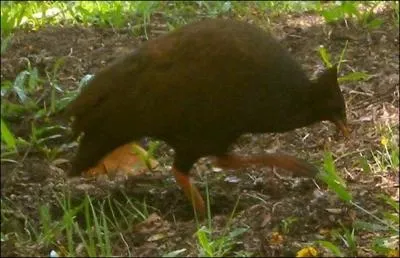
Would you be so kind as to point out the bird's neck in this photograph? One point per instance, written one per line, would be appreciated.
(300, 111)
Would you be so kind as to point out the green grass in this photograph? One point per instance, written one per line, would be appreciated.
(100, 224)
(349, 77)
(33, 15)
(345, 10)
(385, 160)
(88, 227)
(29, 96)
(385, 223)
(217, 244)
(135, 14)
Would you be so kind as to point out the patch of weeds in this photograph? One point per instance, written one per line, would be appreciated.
(114, 14)
(388, 157)
(39, 140)
(16, 15)
(12, 221)
(389, 223)
(388, 245)
(179, 13)
(396, 14)
(69, 227)
(24, 85)
(5, 43)
(12, 15)
(335, 250)
(211, 245)
(26, 99)
(348, 239)
(53, 81)
(8, 137)
(144, 10)
(332, 178)
(363, 12)
(15, 102)
(385, 158)
(352, 76)
(87, 228)
(278, 7)
(40, 136)
(110, 13)
(385, 242)
(219, 246)
(287, 223)
(215, 9)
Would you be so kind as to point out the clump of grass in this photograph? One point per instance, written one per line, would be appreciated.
(211, 245)
(21, 99)
(349, 77)
(287, 223)
(16, 15)
(389, 222)
(386, 157)
(362, 12)
(8, 137)
(86, 228)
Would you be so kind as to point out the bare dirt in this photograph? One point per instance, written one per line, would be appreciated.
(266, 200)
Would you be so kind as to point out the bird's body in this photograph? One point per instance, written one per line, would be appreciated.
(199, 88)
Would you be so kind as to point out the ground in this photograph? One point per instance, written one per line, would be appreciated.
(282, 214)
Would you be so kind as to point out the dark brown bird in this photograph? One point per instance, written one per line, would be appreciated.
(198, 89)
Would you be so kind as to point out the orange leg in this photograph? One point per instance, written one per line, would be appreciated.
(232, 161)
(191, 192)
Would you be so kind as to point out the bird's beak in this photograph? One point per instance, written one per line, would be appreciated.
(341, 125)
